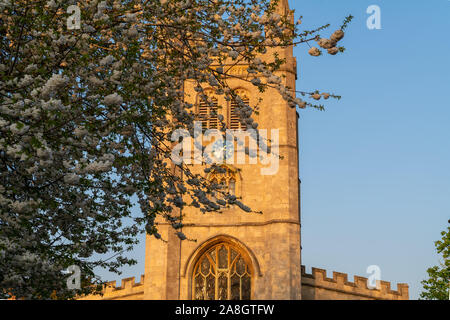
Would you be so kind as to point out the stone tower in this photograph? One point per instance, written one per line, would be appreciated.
(239, 255)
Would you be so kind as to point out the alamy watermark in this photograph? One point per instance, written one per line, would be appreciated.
(234, 149)
(74, 280)
(374, 280)
(374, 20)
(74, 20)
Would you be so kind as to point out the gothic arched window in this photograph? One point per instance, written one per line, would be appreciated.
(222, 273)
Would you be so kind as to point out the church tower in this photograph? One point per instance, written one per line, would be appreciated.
(239, 255)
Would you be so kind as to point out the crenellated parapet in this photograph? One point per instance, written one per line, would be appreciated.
(129, 290)
(317, 286)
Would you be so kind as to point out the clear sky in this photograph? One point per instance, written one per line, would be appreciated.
(375, 165)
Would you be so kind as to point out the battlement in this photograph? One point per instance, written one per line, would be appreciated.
(128, 290)
(317, 286)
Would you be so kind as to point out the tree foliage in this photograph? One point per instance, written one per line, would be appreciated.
(437, 286)
(85, 116)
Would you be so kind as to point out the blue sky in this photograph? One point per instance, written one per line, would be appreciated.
(375, 165)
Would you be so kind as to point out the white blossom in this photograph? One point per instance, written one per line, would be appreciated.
(337, 35)
(333, 51)
(326, 43)
(71, 178)
(113, 99)
(314, 52)
(233, 54)
(107, 60)
(53, 84)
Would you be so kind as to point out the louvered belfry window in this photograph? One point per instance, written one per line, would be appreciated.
(222, 273)
(235, 122)
(208, 114)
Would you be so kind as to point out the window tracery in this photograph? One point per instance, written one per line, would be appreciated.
(222, 273)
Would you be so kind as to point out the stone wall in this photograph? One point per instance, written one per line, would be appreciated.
(129, 290)
(317, 286)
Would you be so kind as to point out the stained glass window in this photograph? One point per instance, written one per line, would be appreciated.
(222, 273)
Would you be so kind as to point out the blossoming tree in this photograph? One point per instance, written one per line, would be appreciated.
(86, 113)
